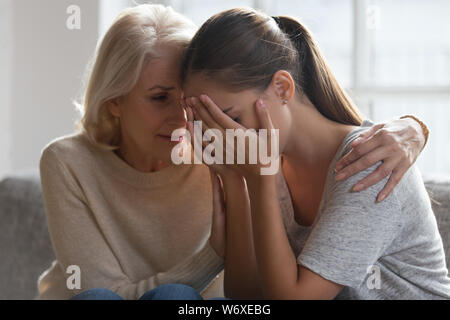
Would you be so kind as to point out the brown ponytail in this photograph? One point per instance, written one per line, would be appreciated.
(243, 48)
(316, 78)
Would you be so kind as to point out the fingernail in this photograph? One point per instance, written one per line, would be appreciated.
(381, 197)
(340, 176)
(358, 187)
(356, 141)
(260, 104)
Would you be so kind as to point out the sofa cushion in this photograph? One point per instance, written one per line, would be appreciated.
(439, 191)
(24, 241)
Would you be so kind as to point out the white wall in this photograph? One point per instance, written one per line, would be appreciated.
(108, 10)
(44, 63)
(6, 44)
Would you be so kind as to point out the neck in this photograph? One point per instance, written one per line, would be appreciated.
(314, 139)
(138, 159)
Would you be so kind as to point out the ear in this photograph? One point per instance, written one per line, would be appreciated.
(113, 107)
(284, 85)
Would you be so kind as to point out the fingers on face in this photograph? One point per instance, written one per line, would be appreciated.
(210, 113)
(219, 116)
(190, 122)
(202, 113)
(263, 114)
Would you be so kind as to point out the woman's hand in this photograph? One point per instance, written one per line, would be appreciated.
(397, 144)
(213, 117)
(218, 172)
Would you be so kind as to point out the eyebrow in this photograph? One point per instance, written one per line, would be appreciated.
(161, 87)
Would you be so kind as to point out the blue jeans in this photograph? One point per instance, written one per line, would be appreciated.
(171, 291)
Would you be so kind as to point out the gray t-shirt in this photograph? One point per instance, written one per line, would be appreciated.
(387, 250)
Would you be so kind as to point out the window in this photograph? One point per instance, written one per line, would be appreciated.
(403, 67)
(200, 10)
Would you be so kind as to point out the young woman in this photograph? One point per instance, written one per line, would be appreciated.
(125, 222)
(244, 69)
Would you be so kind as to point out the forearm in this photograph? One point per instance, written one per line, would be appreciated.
(271, 244)
(241, 278)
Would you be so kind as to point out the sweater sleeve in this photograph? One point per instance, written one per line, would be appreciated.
(78, 240)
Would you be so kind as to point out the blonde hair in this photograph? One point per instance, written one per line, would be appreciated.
(133, 38)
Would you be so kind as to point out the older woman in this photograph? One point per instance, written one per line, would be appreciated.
(123, 219)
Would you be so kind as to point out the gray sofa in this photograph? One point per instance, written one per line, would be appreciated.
(26, 249)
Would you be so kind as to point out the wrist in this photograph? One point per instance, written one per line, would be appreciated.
(258, 181)
(231, 177)
(419, 126)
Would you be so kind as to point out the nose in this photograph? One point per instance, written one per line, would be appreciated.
(177, 115)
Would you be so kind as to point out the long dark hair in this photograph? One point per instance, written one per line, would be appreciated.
(243, 49)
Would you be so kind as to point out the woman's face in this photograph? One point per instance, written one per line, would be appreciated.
(240, 106)
(152, 110)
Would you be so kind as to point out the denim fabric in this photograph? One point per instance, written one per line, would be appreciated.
(171, 291)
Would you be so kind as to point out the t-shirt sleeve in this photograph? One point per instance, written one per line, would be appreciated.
(352, 231)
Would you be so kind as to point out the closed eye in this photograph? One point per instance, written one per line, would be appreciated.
(160, 98)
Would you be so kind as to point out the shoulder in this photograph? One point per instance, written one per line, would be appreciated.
(410, 186)
(341, 194)
(66, 148)
(351, 136)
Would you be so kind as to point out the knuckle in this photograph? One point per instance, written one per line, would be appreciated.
(383, 171)
(404, 157)
(384, 135)
(351, 170)
(410, 161)
(343, 162)
(356, 153)
(367, 161)
(395, 179)
(383, 132)
(348, 161)
(389, 138)
(397, 149)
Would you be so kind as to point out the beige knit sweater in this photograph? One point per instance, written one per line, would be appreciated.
(126, 230)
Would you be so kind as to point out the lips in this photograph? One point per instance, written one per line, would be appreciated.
(169, 138)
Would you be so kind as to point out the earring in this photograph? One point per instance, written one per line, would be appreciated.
(285, 101)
